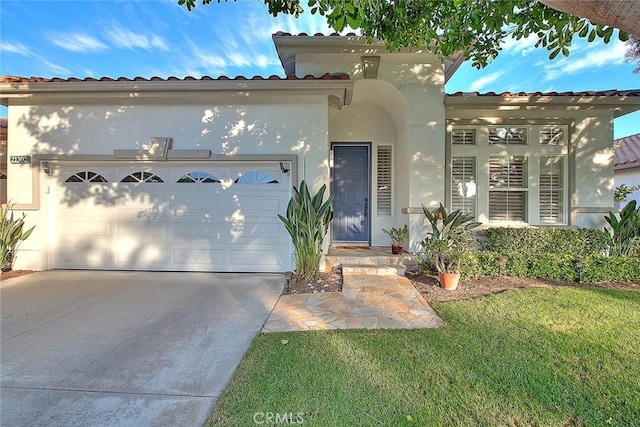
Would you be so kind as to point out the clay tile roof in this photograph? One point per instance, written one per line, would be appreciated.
(16, 79)
(613, 92)
(285, 34)
(627, 152)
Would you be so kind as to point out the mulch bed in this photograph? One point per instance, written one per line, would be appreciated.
(429, 287)
(328, 282)
(14, 273)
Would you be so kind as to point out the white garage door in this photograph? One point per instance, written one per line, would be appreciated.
(187, 217)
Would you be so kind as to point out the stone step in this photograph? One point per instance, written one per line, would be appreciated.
(331, 262)
(372, 269)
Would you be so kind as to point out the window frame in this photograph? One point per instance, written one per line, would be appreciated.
(533, 151)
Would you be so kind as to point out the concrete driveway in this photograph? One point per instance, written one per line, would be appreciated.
(100, 348)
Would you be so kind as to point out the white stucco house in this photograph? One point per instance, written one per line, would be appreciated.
(626, 165)
(189, 174)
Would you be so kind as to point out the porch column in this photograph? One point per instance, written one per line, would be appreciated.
(426, 153)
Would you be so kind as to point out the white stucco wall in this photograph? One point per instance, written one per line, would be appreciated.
(286, 126)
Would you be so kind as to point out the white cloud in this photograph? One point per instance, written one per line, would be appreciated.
(17, 48)
(484, 81)
(126, 39)
(523, 46)
(208, 60)
(76, 42)
(238, 59)
(612, 54)
(56, 69)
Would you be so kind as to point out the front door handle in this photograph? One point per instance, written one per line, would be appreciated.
(366, 206)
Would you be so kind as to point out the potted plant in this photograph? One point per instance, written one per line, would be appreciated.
(398, 237)
(447, 242)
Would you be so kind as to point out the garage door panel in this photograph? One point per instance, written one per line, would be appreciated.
(204, 201)
(251, 203)
(86, 255)
(78, 230)
(208, 222)
(261, 258)
(144, 256)
(211, 231)
(204, 259)
(141, 231)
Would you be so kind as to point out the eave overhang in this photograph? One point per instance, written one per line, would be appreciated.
(621, 102)
(338, 90)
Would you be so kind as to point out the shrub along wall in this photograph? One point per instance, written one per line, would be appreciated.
(596, 268)
(548, 253)
(576, 241)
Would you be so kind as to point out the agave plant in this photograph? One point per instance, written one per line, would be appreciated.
(11, 235)
(307, 222)
(625, 231)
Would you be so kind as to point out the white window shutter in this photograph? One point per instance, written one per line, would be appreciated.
(384, 180)
(507, 136)
(463, 136)
(551, 190)
(552, 135)
(463, 184)
(507, 182)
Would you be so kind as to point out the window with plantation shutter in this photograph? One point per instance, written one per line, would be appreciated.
(551, 190)
(463, 184)
(507, 188)
(384, 180)
(509, 172)
(507, 206)
(552, 135)
(507, 136)
(463, 136)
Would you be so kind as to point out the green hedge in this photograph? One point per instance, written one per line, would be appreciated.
(577, 241)
(596, 268)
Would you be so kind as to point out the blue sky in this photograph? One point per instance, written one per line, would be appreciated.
(159, 38)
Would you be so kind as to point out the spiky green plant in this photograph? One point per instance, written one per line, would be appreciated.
(307, 222)
(448, 239)
(625, 231)
(11, 235)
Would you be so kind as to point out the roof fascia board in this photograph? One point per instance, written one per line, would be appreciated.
(620, 104)
(626, 166)
(339, 91)
(333, 44)
(472, 99)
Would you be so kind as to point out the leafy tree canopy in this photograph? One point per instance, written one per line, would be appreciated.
(477, 27)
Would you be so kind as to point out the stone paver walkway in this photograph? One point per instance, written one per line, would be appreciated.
(367, 301)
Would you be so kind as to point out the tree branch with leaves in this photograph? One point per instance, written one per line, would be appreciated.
(476, 27)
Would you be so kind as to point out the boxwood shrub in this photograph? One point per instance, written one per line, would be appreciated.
(548, 253)
(577, 241)
(596, 268)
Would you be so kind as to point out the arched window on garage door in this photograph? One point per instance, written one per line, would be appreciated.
(197, 177)
(86, 176)
(142, 177)
(256, 178)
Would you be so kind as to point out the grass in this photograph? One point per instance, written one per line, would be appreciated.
(545, 357)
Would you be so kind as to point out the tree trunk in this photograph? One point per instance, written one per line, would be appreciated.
(622, 14)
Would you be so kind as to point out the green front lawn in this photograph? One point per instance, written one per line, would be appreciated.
(550, 357)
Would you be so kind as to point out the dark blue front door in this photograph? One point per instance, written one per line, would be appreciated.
(350, 187)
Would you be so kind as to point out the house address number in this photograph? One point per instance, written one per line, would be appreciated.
(20, 160)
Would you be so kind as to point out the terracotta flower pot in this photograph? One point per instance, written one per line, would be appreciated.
(396, 249)
(449, 281)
